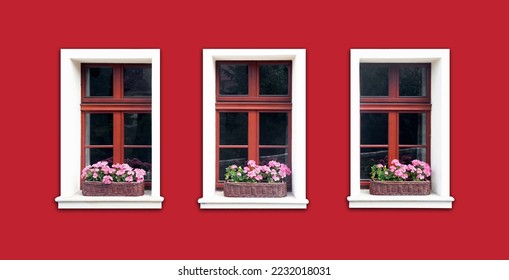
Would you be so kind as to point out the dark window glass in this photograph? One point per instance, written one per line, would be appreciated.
(139, 158)
(371, 156)
(233, 128)
(273, 79)
(99, 129)
(273, 128)
(137, 81)
(412, 81)
(99, 81)
(374, 80)
(406, 155)
(233, 79)
(228, 157)
(277, 154)
(93, 155)
(374, 128)
(412, 128)
(138, 129)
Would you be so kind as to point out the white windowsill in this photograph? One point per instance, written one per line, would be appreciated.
(78, 201)
(365, 200)
(219, 201)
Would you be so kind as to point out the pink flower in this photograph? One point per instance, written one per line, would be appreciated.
(251, 174)
(233, 166)
(275, 178)
(107, 180)
(395, 162)
(251, 163)
(379, 165)
(95, 175)
(258, 177)
(239, 174)
(129, 178)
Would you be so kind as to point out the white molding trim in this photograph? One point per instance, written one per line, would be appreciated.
(440, 128)
(297, 198)
(70, 132)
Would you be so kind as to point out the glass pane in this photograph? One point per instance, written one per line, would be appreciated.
(138, 81)
(228, 157)
(274, 79)
(406, 155)
(374, 128)
(139, 158)
(412, 81)
(93, 155)
(277, 154)
(273, 128)
(233, 128)
(374, 80)
(138, 129)
(233, 79)
(412, 128)
(99, 81)
(371, 156)
(99, 129)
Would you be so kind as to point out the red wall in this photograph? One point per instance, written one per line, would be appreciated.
(33, 228)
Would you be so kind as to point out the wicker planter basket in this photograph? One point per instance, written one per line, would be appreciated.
(399, 187)
(233, 189)
(113, 189)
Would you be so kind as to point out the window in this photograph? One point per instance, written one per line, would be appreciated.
(399, 99)
(255, 100)
(253, 114)
(116, 115)
(395, 114)
(109, 111)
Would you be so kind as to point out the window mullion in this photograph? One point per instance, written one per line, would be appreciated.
(117, 82)
(118, 137)
(393, 81)
(252, 75)
(393, 136)
(253, 138)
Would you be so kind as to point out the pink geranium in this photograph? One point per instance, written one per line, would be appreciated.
(101, 172)
(416, 171)
(272, 172)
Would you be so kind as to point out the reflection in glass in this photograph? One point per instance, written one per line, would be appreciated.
(93, 155)
(273, 128)
(371, 156)
(233, 79)
(138, 81)
(138, 129)
(412, 128)
(412, 81)
(406, 155)
(139, 158)
(274, 79)
(228, 157)
(98, 129)
(99, 81)
(374, 128)
(277, 154)
(374, 80)
(233, 128)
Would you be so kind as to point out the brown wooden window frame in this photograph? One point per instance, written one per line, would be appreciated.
(393, 105)
(253, 104)
(117, 105)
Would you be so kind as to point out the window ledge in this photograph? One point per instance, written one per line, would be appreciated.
(365, 200)
(78, 201)
(219, 201)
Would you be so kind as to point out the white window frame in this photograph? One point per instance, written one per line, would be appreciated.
(296, 199)
(70, 129)
(440, 128)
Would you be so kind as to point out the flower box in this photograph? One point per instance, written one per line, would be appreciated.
(399, 187)
(91, 188)
(243, 189)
